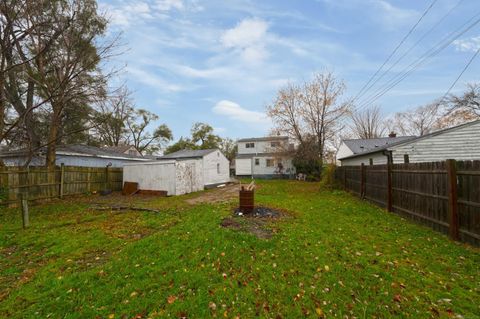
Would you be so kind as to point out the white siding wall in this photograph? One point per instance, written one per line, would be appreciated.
(152, 176)
(188, 176)
(243, 166)
(344, 151)
(378, 159)
(261, 147)
(460, 144)
(211, 175)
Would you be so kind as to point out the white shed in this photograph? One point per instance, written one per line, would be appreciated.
(181, 172)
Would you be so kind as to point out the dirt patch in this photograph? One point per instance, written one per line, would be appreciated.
(259, 222)
(217, 195)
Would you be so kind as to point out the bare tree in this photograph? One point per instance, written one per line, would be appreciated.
(112, 117)
(286, 112)
(468, 103)
(418, 121)
(312, 114)
(368, 123)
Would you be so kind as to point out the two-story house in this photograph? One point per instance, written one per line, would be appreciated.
(264, 157)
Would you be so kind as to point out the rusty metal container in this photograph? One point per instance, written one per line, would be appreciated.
(246, 200)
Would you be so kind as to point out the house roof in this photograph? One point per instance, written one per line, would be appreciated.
(415, 139)
(78, 150)
(265, 138)
(188, 154)
(119, 148)
(361, 146)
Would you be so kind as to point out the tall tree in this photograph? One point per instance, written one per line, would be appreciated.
(112, 117)
(417, 121)
(367, 123)
(228, 148)
(141, 138)
(468, 102)
(312, 114)
(203, 136)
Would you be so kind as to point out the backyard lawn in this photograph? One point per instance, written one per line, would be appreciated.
(329, 255)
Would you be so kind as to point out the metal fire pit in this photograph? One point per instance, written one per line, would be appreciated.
(246, 200)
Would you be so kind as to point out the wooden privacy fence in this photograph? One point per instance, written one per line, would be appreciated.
(40, 183)
(442, 195)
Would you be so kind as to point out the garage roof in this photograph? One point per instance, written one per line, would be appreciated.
(188, 154)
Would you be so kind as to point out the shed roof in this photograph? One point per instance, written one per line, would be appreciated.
(188, 154)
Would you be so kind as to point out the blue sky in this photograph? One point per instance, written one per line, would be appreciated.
(221, 62)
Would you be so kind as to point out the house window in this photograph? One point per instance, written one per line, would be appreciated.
(250, 145)
(406, 158)
(269, 162)
(132, 152)
(371, 161)
(218, 168)
(257, 161)
(274, 144)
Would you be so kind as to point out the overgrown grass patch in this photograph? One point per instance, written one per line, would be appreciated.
(334, 256)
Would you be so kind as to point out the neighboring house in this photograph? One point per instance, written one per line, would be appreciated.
(353, 147)
(124, 149)
(264, 157)
(73, 155)
(181, 172)
(460, 142)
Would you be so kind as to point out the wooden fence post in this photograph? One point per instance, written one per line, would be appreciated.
(389, 187)
(106, 177)
(362, 181)
(345, 177)
(452, 199)
(25, 217)
(62, 180)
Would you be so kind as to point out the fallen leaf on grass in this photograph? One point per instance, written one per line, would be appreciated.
(171, 299)
(319, 312)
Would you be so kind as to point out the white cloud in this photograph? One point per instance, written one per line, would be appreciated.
(152, 80)
(248, 38)
(467, 45)
(167, 5)
(381, 11)
(237, 113)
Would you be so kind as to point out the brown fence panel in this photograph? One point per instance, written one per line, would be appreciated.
(468, 175)
(376, 184)
(420, 193)
(39, 183)
(353, 177)
(442, 195)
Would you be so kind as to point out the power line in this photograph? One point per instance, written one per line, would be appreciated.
(440, 46)
(460, 75)
(413, 46)
(395, 50)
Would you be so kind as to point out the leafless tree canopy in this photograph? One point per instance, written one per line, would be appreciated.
(311, 113)
(367, 123)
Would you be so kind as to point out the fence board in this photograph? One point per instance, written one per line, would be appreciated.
(420, 191)
(39, 183)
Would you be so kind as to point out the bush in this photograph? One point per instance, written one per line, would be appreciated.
(312, 168)
(328, 177)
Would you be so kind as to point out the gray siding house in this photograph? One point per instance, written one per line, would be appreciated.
(264, 157)
(460, 142)
(74, 155)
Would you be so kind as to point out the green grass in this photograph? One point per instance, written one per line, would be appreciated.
(334, 256)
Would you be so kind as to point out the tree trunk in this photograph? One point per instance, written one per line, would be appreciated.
(53, 137)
